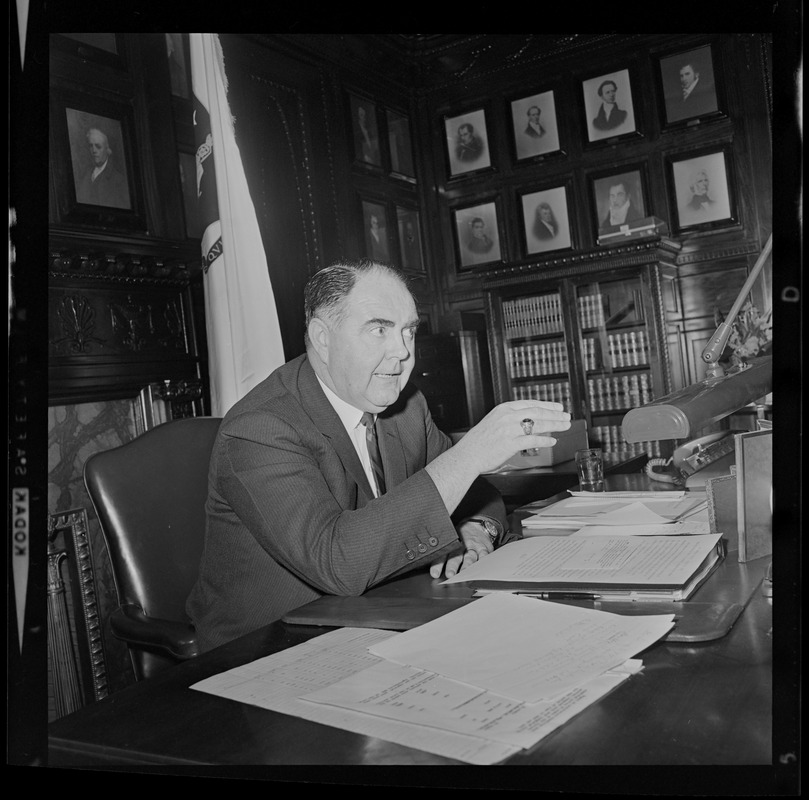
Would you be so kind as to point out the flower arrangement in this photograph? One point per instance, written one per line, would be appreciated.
(751, 334)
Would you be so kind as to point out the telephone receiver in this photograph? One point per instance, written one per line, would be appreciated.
(693, 456)
(704, 451)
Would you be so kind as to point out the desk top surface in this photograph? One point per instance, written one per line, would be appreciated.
(697, 703)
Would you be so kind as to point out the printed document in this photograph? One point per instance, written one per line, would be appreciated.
(606, 510)
(277, 682)
(403, 693)
(581, 563)
(522, 648)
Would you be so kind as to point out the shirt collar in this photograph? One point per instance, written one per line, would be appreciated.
(349, 416)
(98, 170)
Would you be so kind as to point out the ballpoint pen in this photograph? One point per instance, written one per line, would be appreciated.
(562, 595)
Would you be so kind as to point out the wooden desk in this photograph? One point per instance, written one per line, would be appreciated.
(536, 483)
(693, 704)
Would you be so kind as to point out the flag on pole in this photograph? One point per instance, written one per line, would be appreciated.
(244, 337)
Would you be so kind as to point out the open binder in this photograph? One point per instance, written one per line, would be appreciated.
(668, 568)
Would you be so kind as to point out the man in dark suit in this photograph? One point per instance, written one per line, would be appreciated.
(545, 224)
(102, 184)
(469, 146)
(621, 208)
(296, 506)
(609, 115)
(534, 128)
(697, 98)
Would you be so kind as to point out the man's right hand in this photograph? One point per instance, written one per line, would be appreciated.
(501, 433)
(495, 439)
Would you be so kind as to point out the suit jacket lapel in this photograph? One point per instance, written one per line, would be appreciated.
(328, 423)
(393, 455)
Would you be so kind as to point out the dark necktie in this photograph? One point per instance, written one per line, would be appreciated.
(373, 451)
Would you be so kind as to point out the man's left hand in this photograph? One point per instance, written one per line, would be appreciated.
(475, 544)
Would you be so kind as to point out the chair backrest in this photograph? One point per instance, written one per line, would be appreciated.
(149, 495)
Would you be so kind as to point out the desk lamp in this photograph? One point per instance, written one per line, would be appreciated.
(682, 414)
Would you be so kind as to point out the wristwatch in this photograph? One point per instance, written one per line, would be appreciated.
(492, 526)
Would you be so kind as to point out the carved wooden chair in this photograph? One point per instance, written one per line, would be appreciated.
(149, 495)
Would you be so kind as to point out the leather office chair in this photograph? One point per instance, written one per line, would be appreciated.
(149, 495)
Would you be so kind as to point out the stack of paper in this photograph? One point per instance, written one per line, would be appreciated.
(627, 513)
(476, 685)
(621, 567)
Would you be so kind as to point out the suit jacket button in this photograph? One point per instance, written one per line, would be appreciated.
(410, 555)
(433, 541)
(422, 548)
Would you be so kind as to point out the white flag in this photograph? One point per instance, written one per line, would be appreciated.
(244, 337)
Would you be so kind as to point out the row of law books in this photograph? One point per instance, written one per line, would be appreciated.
(533, 316)
(619, 391)
(548, 358)
(548, 391)
(591, 310)
(612, 442)
(629, 349)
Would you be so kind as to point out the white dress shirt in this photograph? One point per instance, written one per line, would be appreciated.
(352, 421)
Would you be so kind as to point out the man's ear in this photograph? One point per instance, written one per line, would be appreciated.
(319, 336)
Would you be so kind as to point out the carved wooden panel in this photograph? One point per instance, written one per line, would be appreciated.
(120, 319)
(75, 643)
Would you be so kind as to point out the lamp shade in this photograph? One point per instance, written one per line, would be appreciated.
(682, 414)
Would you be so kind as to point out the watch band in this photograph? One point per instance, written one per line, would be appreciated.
(492, 526)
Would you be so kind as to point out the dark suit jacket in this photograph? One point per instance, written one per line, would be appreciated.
(632, 213)
(529, 131)
(108, 189)
(601, 123)
(290, 513)
(541, 230)
(702, 100)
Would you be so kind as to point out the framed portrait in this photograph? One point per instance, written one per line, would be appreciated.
(98, 48)
(477, 235)
(608, 106)
(401, 145)
(188, 183)
(411, 254)
(94, 162)
(546, 220)
(376, 231)
(618, 199)
(689, 87)
(534, 126)
(467, 143)
(702, 190)
(366, 131)
(179, 65)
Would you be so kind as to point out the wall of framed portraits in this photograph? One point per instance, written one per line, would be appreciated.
(551, 156)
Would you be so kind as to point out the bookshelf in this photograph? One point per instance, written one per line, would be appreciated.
(588, 332)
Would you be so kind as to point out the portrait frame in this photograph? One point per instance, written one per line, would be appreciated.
(464, 220)
(633, 178)
(411, 247)
(537, 236)
(526, 146)
(474, 156)
(365, 127)
(607, 132)
(179, 61)
(188, 184)
(400, 145)
(706, 98)
(107, 49)
(71, 115)
(720, 211)
(381, 249)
